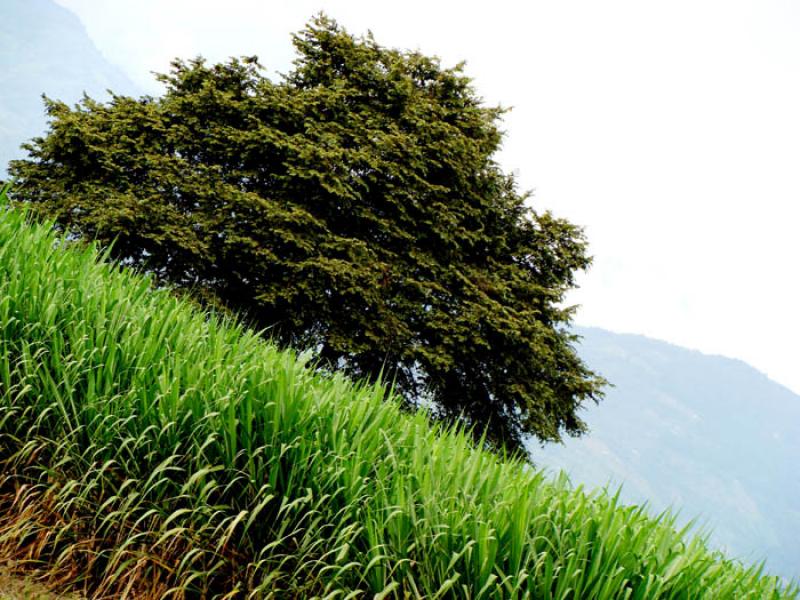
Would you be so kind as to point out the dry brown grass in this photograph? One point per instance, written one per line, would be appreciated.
(29, 567)
(16, 586)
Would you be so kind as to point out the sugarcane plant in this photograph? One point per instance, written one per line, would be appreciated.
(153, 449)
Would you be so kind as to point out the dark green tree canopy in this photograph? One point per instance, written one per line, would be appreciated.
(353, 207)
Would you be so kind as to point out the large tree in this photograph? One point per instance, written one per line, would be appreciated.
(353, 207)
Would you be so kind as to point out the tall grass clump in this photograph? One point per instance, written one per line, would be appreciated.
(149, 449)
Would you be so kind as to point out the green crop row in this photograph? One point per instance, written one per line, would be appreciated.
(148, 447)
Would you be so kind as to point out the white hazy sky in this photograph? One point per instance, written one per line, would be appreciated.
(669, 130)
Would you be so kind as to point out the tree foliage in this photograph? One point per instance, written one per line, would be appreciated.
(353, 207)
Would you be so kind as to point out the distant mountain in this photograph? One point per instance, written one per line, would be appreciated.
(44, 48)
(707, 435)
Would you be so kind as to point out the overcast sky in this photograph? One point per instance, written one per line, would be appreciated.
(669, 130)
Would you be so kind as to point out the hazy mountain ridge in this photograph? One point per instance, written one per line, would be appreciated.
(711, 436)
(44, 49)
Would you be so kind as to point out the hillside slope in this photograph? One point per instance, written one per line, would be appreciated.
(44, 49)
(172, 450)
(707, 434)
